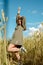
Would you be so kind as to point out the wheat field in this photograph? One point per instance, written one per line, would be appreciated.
(34, 55)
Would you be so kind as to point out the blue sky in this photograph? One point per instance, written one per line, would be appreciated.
(31, 9)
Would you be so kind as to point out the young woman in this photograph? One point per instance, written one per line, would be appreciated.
(17, 39)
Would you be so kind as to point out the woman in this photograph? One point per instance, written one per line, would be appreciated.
(17, 39)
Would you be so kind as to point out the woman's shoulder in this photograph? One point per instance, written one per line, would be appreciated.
(19, 28)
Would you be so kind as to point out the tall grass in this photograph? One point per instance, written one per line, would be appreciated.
(34, 47)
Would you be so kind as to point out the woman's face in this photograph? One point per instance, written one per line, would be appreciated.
(19, 22)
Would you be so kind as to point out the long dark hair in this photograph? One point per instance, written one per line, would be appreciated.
(22, 22)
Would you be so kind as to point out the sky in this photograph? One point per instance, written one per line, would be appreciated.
(31, 9)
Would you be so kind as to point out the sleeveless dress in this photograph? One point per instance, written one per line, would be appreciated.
(17, 38)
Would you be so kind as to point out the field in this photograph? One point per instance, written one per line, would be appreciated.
(34, 47)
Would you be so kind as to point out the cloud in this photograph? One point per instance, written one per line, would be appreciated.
(32, 30)
(41, 27)
(34, 12)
